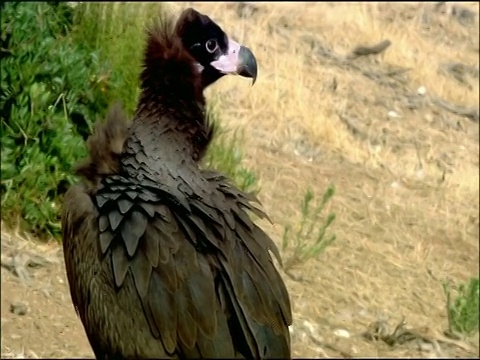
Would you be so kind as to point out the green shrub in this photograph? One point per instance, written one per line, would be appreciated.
(463, 309)
(309, 238)
(51, 93)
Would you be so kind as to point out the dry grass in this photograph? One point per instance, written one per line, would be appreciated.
(407, 189)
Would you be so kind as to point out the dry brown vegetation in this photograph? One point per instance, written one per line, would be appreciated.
(405, 164)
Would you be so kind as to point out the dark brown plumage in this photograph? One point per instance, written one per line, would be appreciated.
(162, 257)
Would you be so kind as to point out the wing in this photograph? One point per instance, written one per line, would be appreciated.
(258, 294)
(77, 210)
(174, 283)
(80, 234)
(207, 284)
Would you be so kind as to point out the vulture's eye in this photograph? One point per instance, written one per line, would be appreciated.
(211, 46)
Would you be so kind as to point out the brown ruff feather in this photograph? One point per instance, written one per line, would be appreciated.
(105, 147)
(171, 84)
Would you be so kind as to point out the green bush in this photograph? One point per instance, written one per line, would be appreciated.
(463, 309)
(61, 68)
(51, 93)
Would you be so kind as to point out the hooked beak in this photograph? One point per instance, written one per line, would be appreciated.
(238, 60)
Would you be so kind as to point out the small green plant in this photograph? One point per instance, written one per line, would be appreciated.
(462, 310)
(309, 239)
(225, 153)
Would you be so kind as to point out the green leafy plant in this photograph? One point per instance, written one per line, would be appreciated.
(463, 307)
(225, 153)
(309, 238)
(51, 93)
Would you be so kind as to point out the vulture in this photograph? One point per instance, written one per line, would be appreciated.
(162, 257)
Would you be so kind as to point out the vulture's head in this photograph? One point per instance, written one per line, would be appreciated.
(216, 54)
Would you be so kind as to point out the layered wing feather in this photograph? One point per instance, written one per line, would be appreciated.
(203, 274)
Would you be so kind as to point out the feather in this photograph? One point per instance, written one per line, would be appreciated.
(202, 296)
(165, 322)
(103, 223)
(149, 209)
(186, 326)
(133, 228)
(243, 218)
(156, 251)
(105, 240)
(187, 229)
(141, 270)
(101, 200)
(151, 247)
(124, 205)
(131, 194)
(115, 218)
(120, 265)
